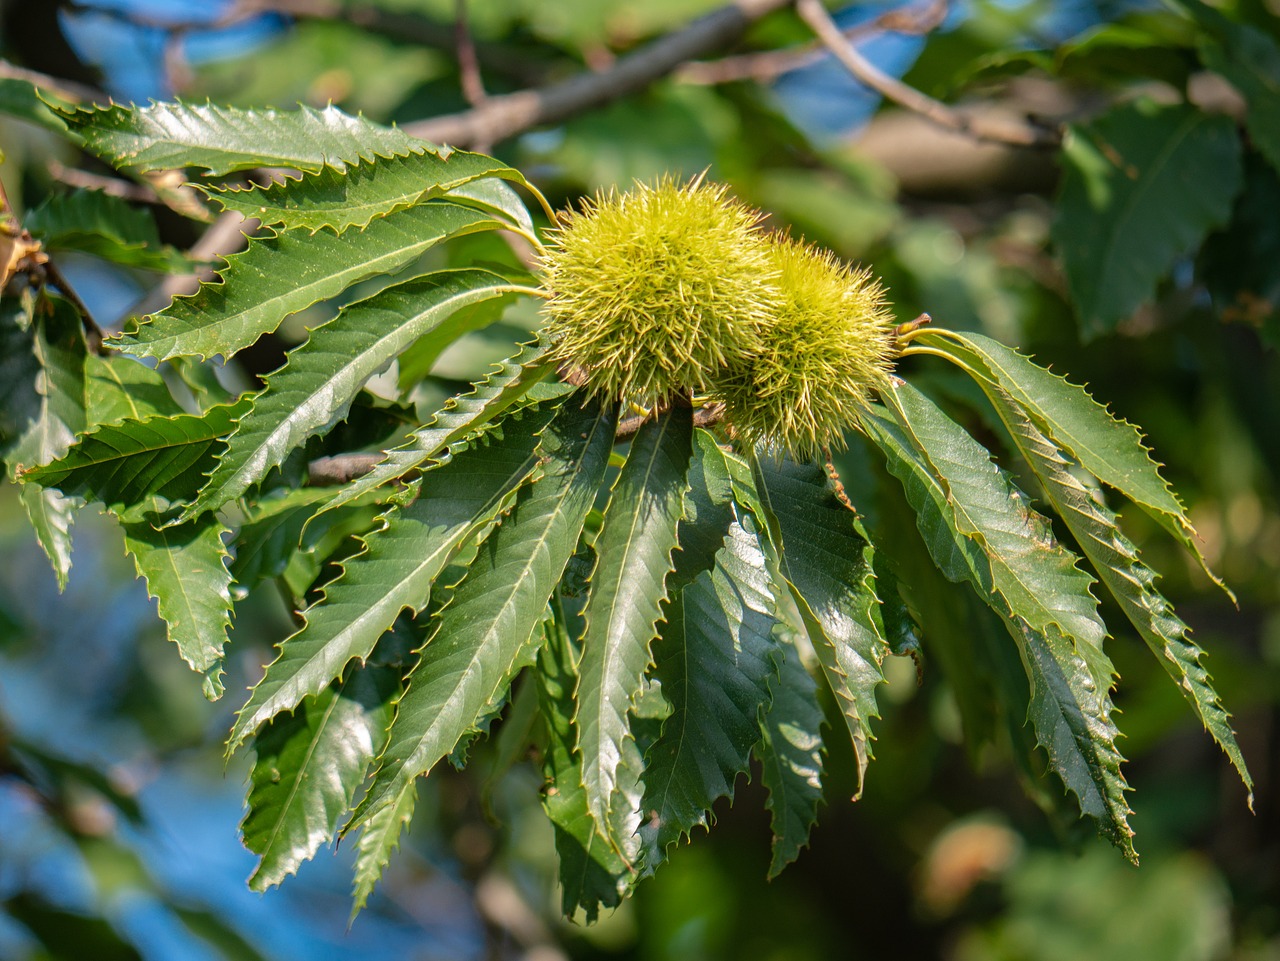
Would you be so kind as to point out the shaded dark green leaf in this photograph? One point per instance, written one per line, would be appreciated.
(1143, 185)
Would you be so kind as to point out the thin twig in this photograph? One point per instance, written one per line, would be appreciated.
(501, 117)
(344, 468)
(770, 64)
(986, 129)
(112, 186)
(224, 236)
(340, 468)
(402, 27)
(702, 417)
(92, 332)
(468, 63)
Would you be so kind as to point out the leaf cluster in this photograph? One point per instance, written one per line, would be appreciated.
(668, 605)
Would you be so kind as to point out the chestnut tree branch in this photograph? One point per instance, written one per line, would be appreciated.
(770, 64)
(983, 128)
(343, 468)
(505, 116)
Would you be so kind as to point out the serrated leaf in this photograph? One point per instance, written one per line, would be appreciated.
(497, 194)
(1128, 579)
(633, 557)
(592, 874)
(270, 535)
(827, 562)
(978, 528)
(125, 463)
(309, 766)
(97, 223)
(282, 274)
(395, 571)
(379, 838)
(314, 390)
(222, 140)
(1143, 185)
(716, 659)
(60, 351)
(790, 753)
(185, 570)
(1107, 447)
(338, 199)
(489, 398)
(706, 514)
(120, 388)
(479, 636)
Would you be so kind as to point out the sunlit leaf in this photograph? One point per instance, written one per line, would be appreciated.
(185, 570)
(338, 199)
(309, 765)
(315, 388)
(395, 571)
(282, 274)
(633, 554)
(221, 140)
(1109, 448)
(979, 528)
(716, 661)
(479, 637)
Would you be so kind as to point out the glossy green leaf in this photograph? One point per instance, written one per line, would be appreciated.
(499, 196)
(790, 754)
(379, 838)
(315, 388)
(706, 515)
(827, 563)
(1107, 447)
(309, 766)
(125, 463)
(221, 140)
(1143, 185)
(395, 571)
(271, 534)
(716, 660)
(121, 388)
(1130, 581)
(461, 414)
(338, 199)
(480, 637)
(280, 275)
(185, 568)
(60, 351)
(94, 222)
(979, 528)
(592, 874)
(633, 554)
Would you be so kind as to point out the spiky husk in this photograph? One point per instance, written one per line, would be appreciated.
(655, 290)
(831, 342)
